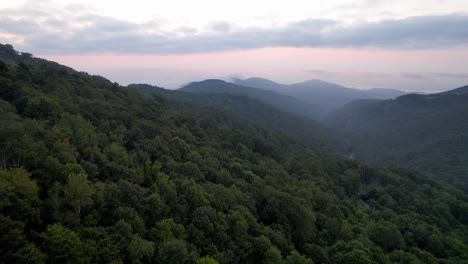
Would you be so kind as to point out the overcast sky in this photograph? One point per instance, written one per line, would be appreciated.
(409, 45)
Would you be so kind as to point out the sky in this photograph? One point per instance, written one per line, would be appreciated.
(412, 45)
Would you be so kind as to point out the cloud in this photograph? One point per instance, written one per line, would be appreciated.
(187, 30)
(434, 75)
(68, 32)
(315, 71)
(220, 26)
(413, 32)
(451, 75)
(413, 76)
(19, 26)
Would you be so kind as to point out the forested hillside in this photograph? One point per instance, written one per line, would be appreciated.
(426, 132)
(92, 172)
(296, 127)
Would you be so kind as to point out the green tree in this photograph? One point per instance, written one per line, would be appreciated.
(387, 235)
(19, 195)
(63, 246)
(297, 258)
(273, 256)
(78, 194)
(15, 248)
(140, 250)
(174, 251)
(3, 68)
(179, 148)
(41, 108)
(355, 256)
(207, 260)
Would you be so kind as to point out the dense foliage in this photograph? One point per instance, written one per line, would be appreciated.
(92, 172)
(426, 132)
(266, 115)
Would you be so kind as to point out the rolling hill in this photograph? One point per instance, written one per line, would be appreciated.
(427, 132)
(295, 126)
(280, 101)
(326, 96)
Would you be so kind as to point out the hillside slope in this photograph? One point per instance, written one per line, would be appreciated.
(299, 128)
(427, 132)
(92, 172)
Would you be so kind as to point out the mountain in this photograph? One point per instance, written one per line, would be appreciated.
(12, 57)
(459, 91)
(94, 172)
(427, 132)
(326, 96)
(295, 126)
(282, 102)
(383, 93)
(261, 83)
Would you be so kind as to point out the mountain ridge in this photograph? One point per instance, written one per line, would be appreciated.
(325, 95)
(283, 102)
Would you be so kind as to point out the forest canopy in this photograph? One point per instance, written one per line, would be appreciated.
(93, 172)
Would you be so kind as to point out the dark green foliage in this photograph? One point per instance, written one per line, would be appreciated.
(174, 251)
(386, 235)
(63, 246)
(424, 132)
(112, 177)
(243, 103)
(207, 260)
(273, 256)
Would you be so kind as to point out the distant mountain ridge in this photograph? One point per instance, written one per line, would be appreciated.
(283, 102)
(458, 91)
(326, 96)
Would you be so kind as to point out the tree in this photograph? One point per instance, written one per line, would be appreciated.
(41, 108)
(355, 256)
(63, 246)
(3, 68)
(386, 235)
(207, 260)
(19, 195)
(351, 181)
(173, 251)
(155, 209)
(15, 248)
(179, 148)
(78, 194)
(131, 217)
(167, 229)
(296, 258)
(316, 253)
(273, 256)
(79, 130)
(140, 250)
